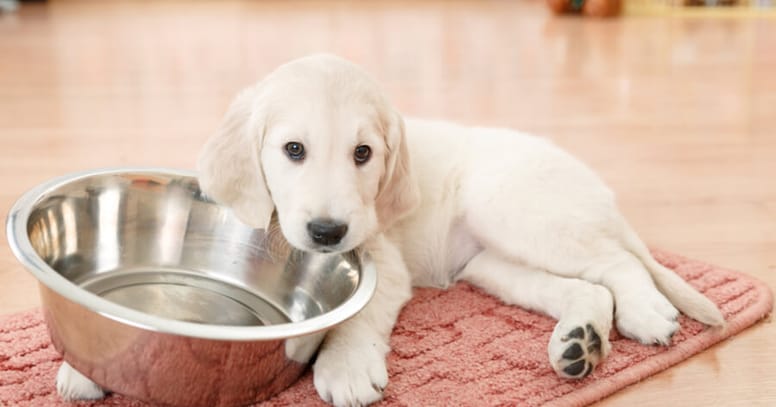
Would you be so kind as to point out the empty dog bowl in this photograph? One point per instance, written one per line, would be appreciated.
(155, 292)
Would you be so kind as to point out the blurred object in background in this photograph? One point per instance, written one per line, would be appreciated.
(710, 3)
(724, 8)
(595, 8)
(8, 6)
(610, 8)
(715, 3)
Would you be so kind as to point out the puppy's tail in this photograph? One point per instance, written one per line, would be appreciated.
(684, 297)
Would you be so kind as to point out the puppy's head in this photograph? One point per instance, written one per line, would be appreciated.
(317, 142)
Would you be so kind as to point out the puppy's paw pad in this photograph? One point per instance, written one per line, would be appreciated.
(582, 351)
(72, 385)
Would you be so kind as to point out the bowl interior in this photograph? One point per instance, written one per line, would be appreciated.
(152, 242)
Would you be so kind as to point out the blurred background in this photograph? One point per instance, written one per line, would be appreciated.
(673, 102)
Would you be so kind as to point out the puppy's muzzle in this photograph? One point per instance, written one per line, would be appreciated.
(326, 232)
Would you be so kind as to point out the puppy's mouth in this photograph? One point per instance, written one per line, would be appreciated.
(333, 249)
(341, 247)
(307, 245)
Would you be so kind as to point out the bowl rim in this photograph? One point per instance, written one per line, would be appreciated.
(18, 240)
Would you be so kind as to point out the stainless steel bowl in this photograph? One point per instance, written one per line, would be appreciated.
(155, 292)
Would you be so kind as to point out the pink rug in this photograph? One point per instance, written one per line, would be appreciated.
(455, 347)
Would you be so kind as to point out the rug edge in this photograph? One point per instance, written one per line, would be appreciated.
(597, 391)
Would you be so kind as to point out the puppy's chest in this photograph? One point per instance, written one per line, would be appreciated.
(434, 253)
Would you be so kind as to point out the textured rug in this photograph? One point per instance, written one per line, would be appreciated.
(456, 347)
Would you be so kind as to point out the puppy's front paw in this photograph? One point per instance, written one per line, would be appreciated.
(350, 377)
(72, 385)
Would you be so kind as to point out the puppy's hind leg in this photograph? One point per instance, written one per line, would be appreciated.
(580, 339)
(643, 312)
(72, 385)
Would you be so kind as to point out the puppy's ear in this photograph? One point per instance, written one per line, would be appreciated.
(399, 193)
(229, 168)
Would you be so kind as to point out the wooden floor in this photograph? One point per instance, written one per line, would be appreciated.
(677, 114)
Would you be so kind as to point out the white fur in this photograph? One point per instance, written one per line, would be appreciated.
(72, 385)
(437, 203)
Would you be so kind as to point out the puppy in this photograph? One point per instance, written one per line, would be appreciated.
(317, 143)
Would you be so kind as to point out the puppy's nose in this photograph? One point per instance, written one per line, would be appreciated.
(326, 232)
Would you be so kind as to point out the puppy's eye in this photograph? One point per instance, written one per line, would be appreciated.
(362, 154)
(295, 151)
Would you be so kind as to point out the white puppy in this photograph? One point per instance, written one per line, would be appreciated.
(433, 202)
